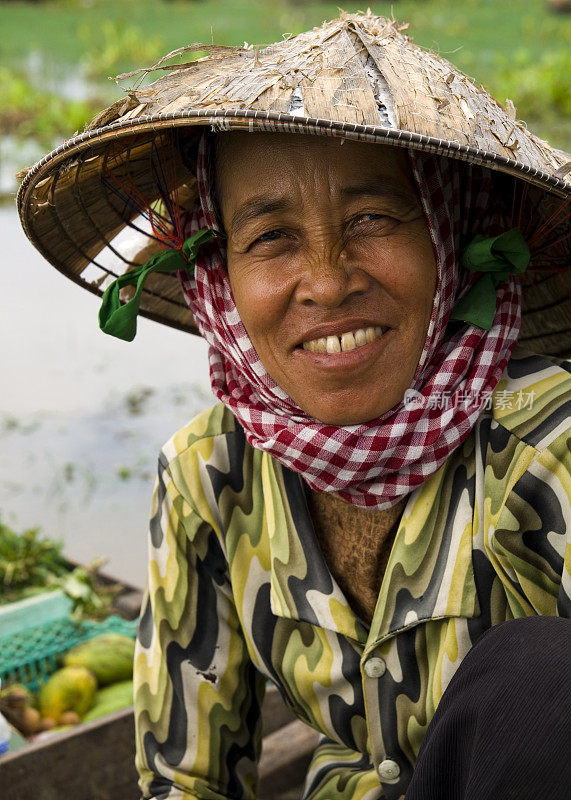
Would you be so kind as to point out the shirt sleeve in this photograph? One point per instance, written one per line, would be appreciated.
(532, 540)
(197, 694)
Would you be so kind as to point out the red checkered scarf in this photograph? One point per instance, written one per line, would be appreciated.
(375, 463)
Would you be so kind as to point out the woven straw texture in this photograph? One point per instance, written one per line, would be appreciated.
(358, 77)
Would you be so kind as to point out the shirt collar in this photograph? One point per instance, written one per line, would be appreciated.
(302, 587)
(429, 574)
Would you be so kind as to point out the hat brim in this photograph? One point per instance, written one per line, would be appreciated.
(67, 202)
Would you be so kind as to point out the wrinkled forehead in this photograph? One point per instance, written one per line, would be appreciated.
(244, 166)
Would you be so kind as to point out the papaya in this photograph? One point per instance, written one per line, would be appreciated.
(109, 656)
(110, 699)
(68, 689)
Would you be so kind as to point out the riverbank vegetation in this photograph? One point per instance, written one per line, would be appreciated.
(57, 56)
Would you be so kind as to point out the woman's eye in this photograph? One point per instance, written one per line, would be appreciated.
(369, 218)
(375, 224)
(270, 236)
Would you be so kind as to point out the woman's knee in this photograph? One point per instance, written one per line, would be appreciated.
(536, 648)
(504, 713)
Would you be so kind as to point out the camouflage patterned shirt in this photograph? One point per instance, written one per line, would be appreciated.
(239, 592)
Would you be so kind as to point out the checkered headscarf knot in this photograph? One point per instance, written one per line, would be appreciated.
(372, 464)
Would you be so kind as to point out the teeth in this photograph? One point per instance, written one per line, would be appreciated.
(348, 341)
(333, 344)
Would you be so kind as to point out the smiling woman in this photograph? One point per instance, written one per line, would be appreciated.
(324, 264)
(379, 501)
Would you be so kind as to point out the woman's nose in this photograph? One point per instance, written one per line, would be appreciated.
(328, 280)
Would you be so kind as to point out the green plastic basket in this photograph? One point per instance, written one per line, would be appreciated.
(33, 652)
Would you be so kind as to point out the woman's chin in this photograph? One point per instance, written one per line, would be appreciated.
(350, 406)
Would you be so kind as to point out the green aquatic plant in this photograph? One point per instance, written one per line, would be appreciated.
(28, 111)
(537, 86)
(116, 45)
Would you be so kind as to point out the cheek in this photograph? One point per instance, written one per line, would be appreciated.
(261, 300)
(406, 269)
(419, 270)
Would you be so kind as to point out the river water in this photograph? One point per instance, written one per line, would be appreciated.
(83, 415)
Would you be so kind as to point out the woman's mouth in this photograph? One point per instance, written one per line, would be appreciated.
(345, 342)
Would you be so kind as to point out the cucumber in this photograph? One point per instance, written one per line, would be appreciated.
(110, 699)
(109, 656)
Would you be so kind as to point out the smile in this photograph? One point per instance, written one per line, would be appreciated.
(347, 341)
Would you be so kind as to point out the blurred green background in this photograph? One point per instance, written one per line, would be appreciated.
(56, 57)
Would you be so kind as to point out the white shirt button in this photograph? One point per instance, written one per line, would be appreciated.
(375, 667)
(388, 770)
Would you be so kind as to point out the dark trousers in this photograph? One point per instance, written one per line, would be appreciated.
(502, 730)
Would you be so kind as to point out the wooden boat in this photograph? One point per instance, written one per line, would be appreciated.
(95, 760)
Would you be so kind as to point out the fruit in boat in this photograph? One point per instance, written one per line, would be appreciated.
(68, 689)
(110, 699)
(109, 656)
(31, 718)
(16, 705)
(16, 696)
(69, 718)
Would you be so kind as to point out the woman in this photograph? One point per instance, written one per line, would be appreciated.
(384, 478)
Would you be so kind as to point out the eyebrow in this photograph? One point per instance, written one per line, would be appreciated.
(256, 208)
(380, 188)
(260, 206)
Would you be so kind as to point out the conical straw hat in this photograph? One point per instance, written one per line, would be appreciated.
(358, 77)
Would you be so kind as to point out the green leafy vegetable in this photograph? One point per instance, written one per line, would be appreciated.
(30, 565)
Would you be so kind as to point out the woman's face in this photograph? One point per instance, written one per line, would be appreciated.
(331, 266)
